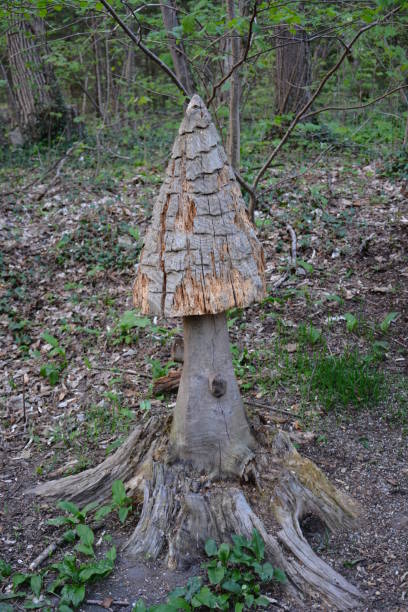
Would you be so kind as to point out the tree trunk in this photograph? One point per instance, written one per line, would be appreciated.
(293, 70)
(181, 66)
(176, 470)
(41, 110)
(210, 430)
(234, 127)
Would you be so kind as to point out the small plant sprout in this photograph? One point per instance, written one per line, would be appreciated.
(388, 319)
(351, 321)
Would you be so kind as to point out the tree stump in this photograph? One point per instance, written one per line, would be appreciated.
(193, 472)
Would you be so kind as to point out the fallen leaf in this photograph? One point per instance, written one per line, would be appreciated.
(107, 602)
(291, 348)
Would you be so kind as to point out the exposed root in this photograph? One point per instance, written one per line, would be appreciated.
(131, 463)
(181, 510)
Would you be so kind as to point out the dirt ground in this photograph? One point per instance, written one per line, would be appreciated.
(67, 265)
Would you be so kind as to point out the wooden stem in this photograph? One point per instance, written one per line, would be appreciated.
(210, 430)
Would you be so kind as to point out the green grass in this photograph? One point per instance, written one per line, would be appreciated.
(311, 375)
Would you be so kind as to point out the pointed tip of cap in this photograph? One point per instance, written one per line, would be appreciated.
(195, 103)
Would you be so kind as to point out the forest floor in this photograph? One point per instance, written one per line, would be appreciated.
(329, 346)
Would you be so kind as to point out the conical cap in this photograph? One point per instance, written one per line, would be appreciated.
(201, 254)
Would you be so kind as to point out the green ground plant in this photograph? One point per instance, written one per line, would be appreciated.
(237, 577)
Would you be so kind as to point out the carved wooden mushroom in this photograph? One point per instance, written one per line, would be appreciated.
(201, 257)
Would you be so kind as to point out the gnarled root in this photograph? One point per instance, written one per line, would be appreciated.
(181, 510)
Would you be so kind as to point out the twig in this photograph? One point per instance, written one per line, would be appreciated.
(356, 107)
(240, 61)
(53, 181)
(317, 92)
(51, 548)
(101, 603)
(293, 246)
(146, 50)
(47, 552)
(280, 281)
(251, 402)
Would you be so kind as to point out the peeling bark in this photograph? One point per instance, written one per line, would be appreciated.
(201, 253)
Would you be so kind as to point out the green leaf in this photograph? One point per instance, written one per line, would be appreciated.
(232, 586)
(85, 549)
(70, 535)
(266, 572)
(140, 606)
(351, 321)
(18, 579)
(239, 607)
(123, 512)
(74, 593)
(386, 322)
(305, 265)
(188, 24)
(69, 507)
(216, 574)
(36, 584)
(64, 608)
(89, 508)
(223, 553)
(258, 545)
(50, 340)
(279, 575)
(204, 597)
(102, 512)
(118, 492)
(210, 548)
(111, 554)
(5, 569)
(85, 534)
(58, 521)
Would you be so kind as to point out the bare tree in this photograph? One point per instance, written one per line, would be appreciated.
(178, 54)
(40, 108)
(234, 127)
(293, 74)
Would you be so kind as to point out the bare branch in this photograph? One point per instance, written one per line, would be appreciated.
(356, 107)
(317, 92)
(241, 61)
(137, 40)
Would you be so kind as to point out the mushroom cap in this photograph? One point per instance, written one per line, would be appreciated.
(201, 254)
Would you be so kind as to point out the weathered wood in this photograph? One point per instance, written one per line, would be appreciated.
(210, 431)
(201, 253)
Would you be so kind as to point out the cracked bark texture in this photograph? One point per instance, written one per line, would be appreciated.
(201, 253)
(210, 431)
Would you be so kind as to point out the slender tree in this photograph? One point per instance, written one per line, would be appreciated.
(293, 74)
(178, 54)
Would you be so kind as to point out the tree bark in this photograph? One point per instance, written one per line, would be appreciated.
(210, 430)
(234, 126)
(181, 66)
(41, 110)
(293, 75)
